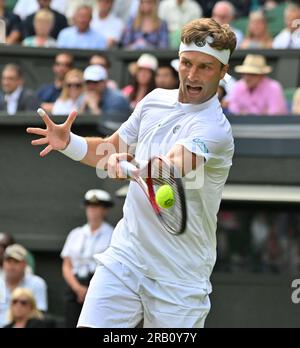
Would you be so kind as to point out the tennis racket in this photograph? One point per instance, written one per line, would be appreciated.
(157, 172)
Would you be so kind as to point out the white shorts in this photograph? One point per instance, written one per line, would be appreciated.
(121, 297)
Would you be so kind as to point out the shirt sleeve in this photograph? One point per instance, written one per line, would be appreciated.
(66, 252)
(40, 294)
(215, 146)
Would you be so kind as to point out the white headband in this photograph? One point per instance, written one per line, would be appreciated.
(204, 47)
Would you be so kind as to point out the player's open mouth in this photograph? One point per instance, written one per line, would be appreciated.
(194, 90)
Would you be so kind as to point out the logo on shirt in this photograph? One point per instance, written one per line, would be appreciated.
(199, 143)
(176, 129)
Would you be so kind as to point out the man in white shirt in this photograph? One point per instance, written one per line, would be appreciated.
(106, 23)
(78, 252)
(290, 36)
(15, 276)
(147, 273)
(177, 13)
(14, 97)
(25, 8)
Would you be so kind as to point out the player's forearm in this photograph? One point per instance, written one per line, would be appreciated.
(183, 160)
(94, 152)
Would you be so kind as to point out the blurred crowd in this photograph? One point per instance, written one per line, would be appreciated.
(142, 25)
(260, 242)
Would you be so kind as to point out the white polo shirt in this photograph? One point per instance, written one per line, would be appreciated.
(139, 239)
(81, 246)
(110, 27)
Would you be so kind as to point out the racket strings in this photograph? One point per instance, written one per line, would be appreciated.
(162, 174)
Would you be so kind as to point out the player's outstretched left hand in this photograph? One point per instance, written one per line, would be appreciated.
(55, 136)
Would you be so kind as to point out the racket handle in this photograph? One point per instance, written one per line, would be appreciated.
(128, 168)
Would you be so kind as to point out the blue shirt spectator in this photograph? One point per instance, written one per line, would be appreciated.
(49, 93)
(81, 35)
(73, 38)
(114, 101)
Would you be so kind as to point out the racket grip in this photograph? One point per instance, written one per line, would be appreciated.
(128, 168)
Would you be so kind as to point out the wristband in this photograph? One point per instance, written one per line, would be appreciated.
(77, 148)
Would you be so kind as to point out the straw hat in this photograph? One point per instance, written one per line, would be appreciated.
(254, 64)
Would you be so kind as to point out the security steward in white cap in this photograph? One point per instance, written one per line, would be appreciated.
(81, 245)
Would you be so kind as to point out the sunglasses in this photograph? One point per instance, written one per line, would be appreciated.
(21, 302)
(75, 85)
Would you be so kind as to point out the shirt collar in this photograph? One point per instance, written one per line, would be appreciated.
(190, 108)
(14, 95)
(88, 232)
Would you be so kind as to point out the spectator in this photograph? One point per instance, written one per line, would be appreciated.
(48, 93)
(257, 36)
(13, 25)
(73, 5)
(101, 59)
(107, 24)
(43, 23)
(60, 21)
(255, 93)
(15, 97)
(14, 276)
(71, 97)
(99, 98)
(81, 35)
(146, 30)
(80, 247)
(25, 8)
(5, 241)
(143, 72)
(23, 312)
(166, 77)
(125, 9)
(177, 13)
(224, 12)
(289, 37)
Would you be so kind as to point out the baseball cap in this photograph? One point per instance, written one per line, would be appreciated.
(98, 197)
(147, 61)
(95, 73)
(16, 252)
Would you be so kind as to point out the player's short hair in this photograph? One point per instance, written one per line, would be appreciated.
(199, 29)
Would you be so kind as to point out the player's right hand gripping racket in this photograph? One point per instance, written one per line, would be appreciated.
(157, 172)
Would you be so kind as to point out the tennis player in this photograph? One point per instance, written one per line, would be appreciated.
(147, 273)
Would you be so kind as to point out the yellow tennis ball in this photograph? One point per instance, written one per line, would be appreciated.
(165, 196)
